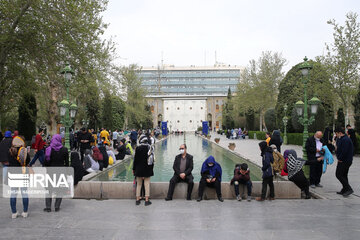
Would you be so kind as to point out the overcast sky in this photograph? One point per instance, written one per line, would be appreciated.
(188, 30)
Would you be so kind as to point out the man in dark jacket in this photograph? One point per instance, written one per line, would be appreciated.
(344, 154)
(183, 166)
(313, 148)
(84, 138)
(5, 156)
(351, 134)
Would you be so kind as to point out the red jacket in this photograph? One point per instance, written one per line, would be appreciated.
(39, 142)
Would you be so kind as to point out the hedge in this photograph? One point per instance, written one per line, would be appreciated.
(293, 138)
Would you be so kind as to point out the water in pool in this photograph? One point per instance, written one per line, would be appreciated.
(165, 152)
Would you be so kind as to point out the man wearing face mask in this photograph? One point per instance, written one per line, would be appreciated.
(315, 156)
(183, 166)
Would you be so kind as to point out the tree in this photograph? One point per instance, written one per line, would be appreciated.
(340, 121)
(27, 116)
(259, 84)
(356, 105)
(228, 113)
(270, 119)
(343, 58)
(291, 90)
(250, 119)
(37, 37)
(118, 112)
(107, 112)
(136, 113)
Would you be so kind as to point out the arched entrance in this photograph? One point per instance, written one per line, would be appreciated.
(159, 117)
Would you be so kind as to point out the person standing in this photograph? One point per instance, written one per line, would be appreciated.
(56, 155)
(183, 166)
(85, 138)
(133, 138)
(5, 145)
(276, 140)
(351, 134)
(313, 148)
(328, 138)
(115, 135)
(39, 148)
(19, 158)
(143, 169)
(267, 176)
(344, 154)
(104, 136)
(211, 177)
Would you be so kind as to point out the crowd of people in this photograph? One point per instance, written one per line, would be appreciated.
(93, 151)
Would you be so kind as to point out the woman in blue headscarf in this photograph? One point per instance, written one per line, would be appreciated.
(211, 177)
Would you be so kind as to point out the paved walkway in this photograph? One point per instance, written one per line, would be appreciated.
(249, 149)
(332, 218)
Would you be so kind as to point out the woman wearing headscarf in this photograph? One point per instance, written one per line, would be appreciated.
(98, 157)
(267, 160)
(56, 155)
(77, 166)
(143, 168)
(19, 157)
(210, 177)
(276, 139)
(90, 164)
(296, 174)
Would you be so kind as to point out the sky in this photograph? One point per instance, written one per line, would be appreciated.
(186, 32)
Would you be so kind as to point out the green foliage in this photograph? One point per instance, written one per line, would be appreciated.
(259, 83)
(270, 119)
(340, 121)
(93, 107)
(291, 90)
(356, 105)
(259, 135)
(27, 116)
(228, 112)
(250, 119)
(293, 138)
(118, 112)
(107, 112)
(342, 58)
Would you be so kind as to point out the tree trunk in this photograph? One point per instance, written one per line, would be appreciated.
(261, 119)
(53, 110)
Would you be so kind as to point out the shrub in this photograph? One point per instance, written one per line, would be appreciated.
(270, 119)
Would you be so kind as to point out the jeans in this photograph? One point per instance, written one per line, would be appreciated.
(40, 154)
(248, 185)
(265, 182)
(14, 192)
(342, 170)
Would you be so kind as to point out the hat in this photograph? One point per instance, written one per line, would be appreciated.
(8, 134)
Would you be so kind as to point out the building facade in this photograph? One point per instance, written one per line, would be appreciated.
(186, 96)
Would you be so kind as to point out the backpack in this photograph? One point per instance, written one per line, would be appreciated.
(18, 150)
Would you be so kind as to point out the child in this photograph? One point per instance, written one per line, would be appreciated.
(267, 159)
(242, 176)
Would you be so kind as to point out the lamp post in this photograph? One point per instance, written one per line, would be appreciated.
(302, 107)
(67, 110)
(85, 122)
(285, 120)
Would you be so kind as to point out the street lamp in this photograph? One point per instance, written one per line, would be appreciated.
(302, 107)
(67, 111)
(85, 122)
(285, 121)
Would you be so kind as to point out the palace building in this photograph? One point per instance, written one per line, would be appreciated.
(186, 96)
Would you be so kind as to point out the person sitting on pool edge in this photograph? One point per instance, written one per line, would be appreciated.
(183, 166)
(242, 176)
(211, 177)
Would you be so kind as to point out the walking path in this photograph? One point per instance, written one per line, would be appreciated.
(249, 149)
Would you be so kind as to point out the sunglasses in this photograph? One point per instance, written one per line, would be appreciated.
(181, 148)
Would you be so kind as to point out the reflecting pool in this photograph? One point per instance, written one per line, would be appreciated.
(165, 152)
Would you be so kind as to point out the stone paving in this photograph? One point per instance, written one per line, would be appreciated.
(332, 218)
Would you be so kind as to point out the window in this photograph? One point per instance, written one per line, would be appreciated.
(178, 108)
(190, 109)
(178, 121)
(201, 108)
(191, 121)
(167, 108)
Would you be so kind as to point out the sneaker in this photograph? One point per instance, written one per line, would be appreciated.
(188, 198)
(137, 202)
(259, 199)
(14, 215)
(168, 199)
(24, 214)
(347, 193)
(220, 199)
(199, 199)
(57, 209)
(249, 198)
(147, 203)
(308, 197)
(319, 185)
(341, 192)
(47, 209)
(312, 186)
(238, 198)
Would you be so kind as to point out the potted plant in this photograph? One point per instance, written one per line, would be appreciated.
(217, 140)
(232, 146)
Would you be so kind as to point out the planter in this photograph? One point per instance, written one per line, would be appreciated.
(232, 146)
(217, 140)
(208, 137)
